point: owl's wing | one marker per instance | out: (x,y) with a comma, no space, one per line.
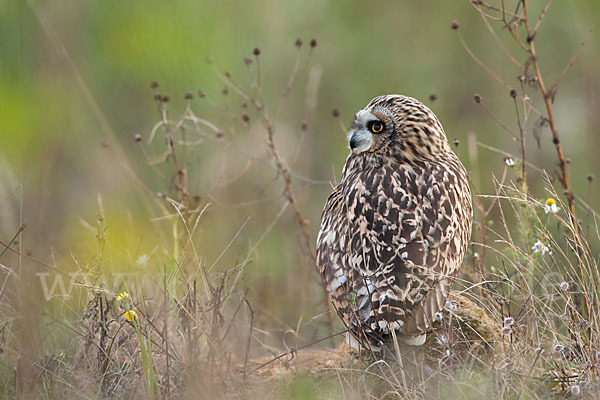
(333,258)
(381,247)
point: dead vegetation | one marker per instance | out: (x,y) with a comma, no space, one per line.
(523,324)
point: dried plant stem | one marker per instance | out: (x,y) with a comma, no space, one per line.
(290,193)
(303,222)
(295,350)
(165,336)
(258,104)
(561,158)
(490,71)
(522,137)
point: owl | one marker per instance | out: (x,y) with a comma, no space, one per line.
(395,230)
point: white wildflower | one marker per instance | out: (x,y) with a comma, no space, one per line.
(142,259)
(540,247)
(506,330)
(558,348)
(509,161)
(550,206)
(442,340)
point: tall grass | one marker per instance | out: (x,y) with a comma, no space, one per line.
(113,318)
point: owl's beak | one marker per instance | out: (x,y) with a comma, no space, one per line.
(360,140)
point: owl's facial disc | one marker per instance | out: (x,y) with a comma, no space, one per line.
(360,137)
(366,125)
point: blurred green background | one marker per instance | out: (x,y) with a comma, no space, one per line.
(75,89)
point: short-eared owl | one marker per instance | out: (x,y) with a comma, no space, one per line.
(395,230)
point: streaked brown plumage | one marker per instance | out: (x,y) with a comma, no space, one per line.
(395,230)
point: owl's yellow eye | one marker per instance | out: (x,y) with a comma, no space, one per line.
(376,126)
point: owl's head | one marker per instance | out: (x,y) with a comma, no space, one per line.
(400,127)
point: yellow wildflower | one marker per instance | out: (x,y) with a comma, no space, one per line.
(123,296)
(131,316)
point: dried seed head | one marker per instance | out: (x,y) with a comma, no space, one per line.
(590,178)
(304,125)
(137,137)
(456,142)
(158,97)
(432,97)
(201,94)
(225,91)
(256,51)
(335,112)
(313,43)
(153,85)
(247,61)
(564,286)
(197,198)
(228,74)
(509,321)
(575,390)
(513,93)
(188,96)
(299,42)
(245,118)
(477,98)
(219,134)
(165,98)
(454,25)
(521,78)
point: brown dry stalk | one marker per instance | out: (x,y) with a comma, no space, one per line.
(303,222)
(491,72)
(282,169)
(561,158)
